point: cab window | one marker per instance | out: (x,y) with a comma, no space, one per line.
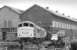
(20,25)
(31,25)
(25,24)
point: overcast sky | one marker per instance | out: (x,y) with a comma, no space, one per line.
(68,7)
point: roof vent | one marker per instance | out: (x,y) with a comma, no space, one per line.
(56,11)
(47,7)
(63,14)
(68,16)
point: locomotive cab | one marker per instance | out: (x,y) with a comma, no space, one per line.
(25,30)
(25,24)
(29,31)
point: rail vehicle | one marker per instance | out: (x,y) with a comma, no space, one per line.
(28,30)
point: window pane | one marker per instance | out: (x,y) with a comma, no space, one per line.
(25,24)
(20,25)
(31,25)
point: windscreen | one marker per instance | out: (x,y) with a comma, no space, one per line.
(26,31)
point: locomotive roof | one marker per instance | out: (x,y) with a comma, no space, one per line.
(33,24)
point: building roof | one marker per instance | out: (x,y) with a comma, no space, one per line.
(51,12)
(9,17)
(62,15)
(17,11)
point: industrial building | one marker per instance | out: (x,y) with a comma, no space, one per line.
(9,18)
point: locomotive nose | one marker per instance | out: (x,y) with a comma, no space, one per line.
(26,32)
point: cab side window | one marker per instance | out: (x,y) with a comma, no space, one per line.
(31,25)
(20,25)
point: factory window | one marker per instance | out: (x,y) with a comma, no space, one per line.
(74,26)
(53,24)
(61,25)
(56,24)
(64,25)
(68,26)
